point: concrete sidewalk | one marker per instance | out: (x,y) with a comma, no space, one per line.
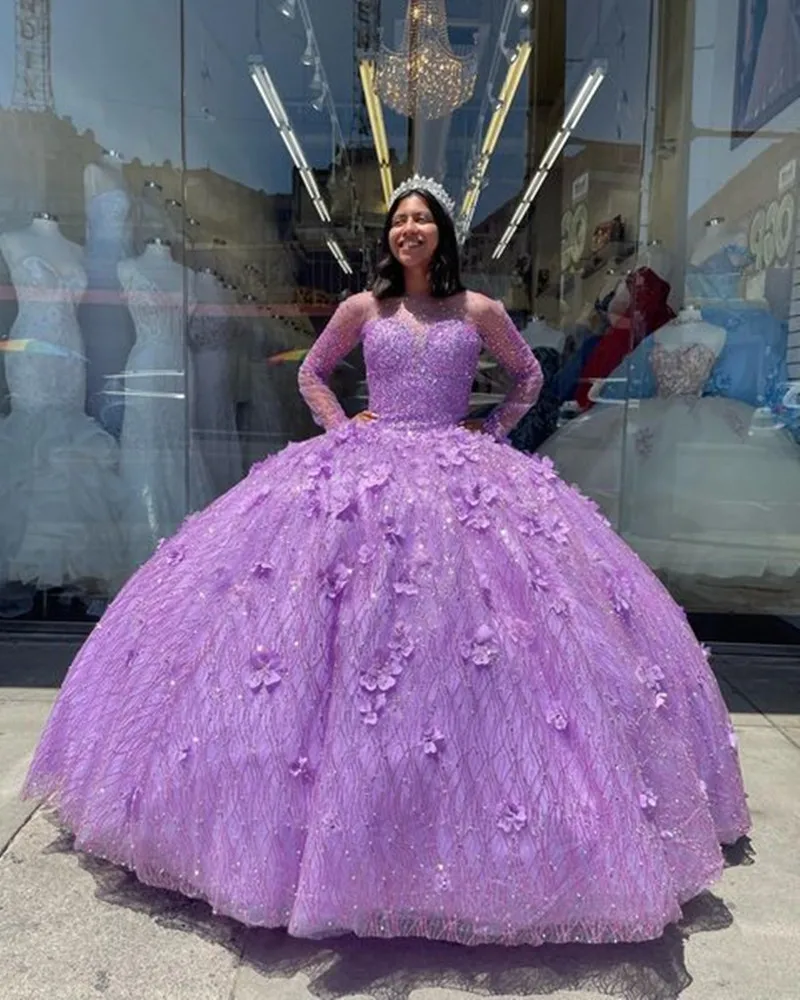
(74,929)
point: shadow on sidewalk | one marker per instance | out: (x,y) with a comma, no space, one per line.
(393,969)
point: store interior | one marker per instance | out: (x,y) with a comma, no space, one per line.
(627,186)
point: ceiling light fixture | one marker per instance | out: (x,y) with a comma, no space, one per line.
(424,78)
(269,95)
(308,58)
(366,69)
(583,98)
(337,252)
(502,106)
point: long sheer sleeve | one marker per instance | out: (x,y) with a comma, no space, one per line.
(504,343)
(336,341)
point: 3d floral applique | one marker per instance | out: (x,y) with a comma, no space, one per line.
(432,742)
(483,648)
(648,800)
(649,674)
(557,718)
(561,604)
(652,676)
(366,554)
(301,768)
(336,579)
(450,454)
(513,818)
(546,469)
(382,678)
(473,502)
(620,593)
(548,526)
(174,554)
(375,477)
(401,642)
(539,580)
(263,673)
(370,707)
(392,531)
(319,467)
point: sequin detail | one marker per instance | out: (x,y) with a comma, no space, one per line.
(681,371)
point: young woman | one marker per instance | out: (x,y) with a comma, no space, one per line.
(402,680)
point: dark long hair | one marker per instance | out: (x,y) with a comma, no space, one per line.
(445,271)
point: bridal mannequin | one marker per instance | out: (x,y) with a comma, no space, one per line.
(161,488)
(687,328)
(105,321)
(59,492)
(213,410)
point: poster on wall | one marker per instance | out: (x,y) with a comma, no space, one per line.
(767,64)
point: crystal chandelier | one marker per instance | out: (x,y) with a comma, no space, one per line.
(425,78)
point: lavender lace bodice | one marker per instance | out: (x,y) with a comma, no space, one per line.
(681,371)
(421,357)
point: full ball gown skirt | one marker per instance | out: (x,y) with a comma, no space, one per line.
(402,680)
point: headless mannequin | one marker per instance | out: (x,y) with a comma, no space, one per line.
(59,523)
(107,175)
(213,411)
(690,328)
(105,321)
(686,329)
(42,239)
(155,271)
(154,429)
(43,264)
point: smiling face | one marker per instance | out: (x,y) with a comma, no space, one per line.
(413,233)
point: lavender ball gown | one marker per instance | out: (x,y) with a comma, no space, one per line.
(402,680)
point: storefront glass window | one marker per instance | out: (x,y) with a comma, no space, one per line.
(188,190)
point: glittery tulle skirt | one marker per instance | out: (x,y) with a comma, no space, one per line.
(401,682)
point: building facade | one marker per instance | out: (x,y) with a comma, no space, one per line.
(187,191)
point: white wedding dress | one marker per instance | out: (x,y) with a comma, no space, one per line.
(60,493)
(698,485)
(162,468)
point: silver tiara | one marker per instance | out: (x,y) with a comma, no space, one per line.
(431,187)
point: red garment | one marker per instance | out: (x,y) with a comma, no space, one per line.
(647,311)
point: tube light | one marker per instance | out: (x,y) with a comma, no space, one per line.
(271,98)
(337,252)
(580,102)
(366,69)
(514,74)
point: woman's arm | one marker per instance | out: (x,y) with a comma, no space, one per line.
(504,343)
(336,341)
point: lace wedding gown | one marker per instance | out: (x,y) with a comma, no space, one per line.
(60,493)
(402,680)
(162,468)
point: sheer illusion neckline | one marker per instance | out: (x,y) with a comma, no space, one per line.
(419,312)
